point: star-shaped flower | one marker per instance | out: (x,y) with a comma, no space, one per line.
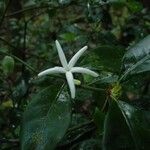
(68,68)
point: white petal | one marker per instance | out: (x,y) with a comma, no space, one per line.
(61,55)
(52,71)
(84,70)
(75,58)
(70,81)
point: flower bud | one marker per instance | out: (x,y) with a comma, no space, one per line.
(116,91)
(77,82)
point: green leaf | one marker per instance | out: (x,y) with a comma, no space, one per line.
(137,59)
(8,65)
(138,122)
(99,119)
(104,81)
(46,119)
(69,37)
(134,6)
(104,56)
(116,133)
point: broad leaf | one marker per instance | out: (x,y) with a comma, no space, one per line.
(116,133)
(139,124)
(106,58)
(137,59)
(46,119)
(126,127)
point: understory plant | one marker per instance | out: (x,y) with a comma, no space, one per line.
(51,121)
(75,75)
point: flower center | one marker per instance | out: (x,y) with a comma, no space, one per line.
(67,68)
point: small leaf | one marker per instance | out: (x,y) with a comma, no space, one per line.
(69,37)
(8,65)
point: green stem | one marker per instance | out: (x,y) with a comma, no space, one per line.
(91,88)
(27,9)
(7,43)
(105,104)
(21,61)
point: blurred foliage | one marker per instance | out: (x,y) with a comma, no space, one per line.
(110,112)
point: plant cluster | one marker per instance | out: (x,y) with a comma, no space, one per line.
(46,107)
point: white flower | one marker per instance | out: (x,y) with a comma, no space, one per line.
(68,68)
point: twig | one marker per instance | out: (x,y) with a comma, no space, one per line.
(9,141)
(3,16)
(7,43)
(90,88)
(24,45)
(104,105)
(21,61)
(41,7)
(27,9)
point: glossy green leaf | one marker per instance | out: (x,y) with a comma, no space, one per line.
(116,133)
(138,122)
(46,119)
(104,56)
(137,59)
